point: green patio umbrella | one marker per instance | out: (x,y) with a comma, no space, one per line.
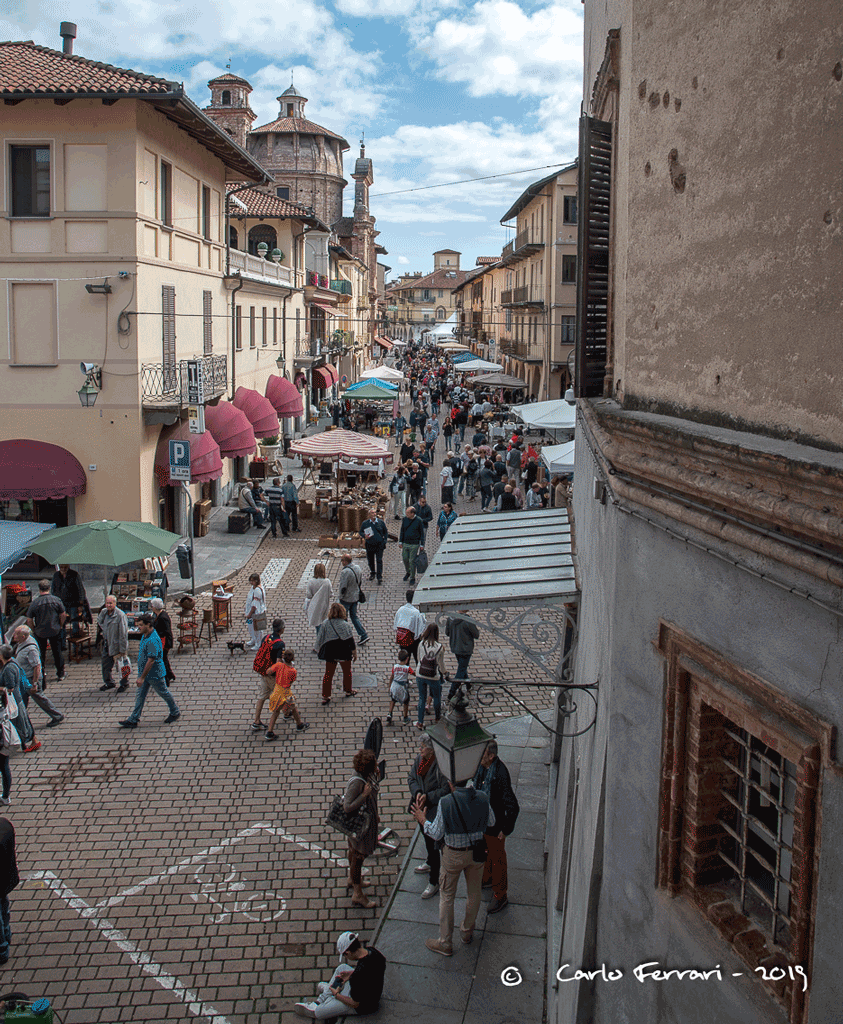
(106,542)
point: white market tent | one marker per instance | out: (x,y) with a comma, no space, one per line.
(445,330)
(558,458)
(383,373)
(553,415)
(476,366)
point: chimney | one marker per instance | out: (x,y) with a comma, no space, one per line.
(68,33)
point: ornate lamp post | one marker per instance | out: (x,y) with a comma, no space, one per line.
(458,740)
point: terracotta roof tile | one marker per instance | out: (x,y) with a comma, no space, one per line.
(229,79)
(301,126)
(438,279)
(27,68)
(262,204)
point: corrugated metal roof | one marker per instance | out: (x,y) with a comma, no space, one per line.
(501,559)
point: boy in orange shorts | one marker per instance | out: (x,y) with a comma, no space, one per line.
(281,698)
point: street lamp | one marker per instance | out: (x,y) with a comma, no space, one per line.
(458,740)
(92,386)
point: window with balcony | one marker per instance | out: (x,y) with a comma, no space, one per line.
(569,270)
(165,210)
(30,180)
(262,233)
(569,209)
(232,238)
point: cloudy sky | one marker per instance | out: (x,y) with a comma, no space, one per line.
(444,90)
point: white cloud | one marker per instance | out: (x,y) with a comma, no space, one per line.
(403,261)
(431,234)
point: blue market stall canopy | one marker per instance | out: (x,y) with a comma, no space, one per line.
(14,540)
(386,386)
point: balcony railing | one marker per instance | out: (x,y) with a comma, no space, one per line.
(254,266)
(315,280)
(525,244)
(165,384)
(506,297)
(343,287)
(507,250)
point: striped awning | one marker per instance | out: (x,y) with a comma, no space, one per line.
(502,558)
(385,343)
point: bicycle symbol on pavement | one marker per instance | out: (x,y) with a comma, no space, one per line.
(220,885)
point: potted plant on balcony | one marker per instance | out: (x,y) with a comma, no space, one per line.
(269,447)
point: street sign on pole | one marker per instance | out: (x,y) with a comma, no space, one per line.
(179,460)
(196,419)
(195,383)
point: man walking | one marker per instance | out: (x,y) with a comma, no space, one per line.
(461,632)
(67,586)
(28,659)
(375,535)
(462,819)
(351,579)
(411,538)
(513,463)
(46,619)
(492,778)
(163,626)
(291,502)
(409,624)
(424,513)
(274,494)
(150,675)
(115,641)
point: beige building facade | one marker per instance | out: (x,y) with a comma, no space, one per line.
(114,250)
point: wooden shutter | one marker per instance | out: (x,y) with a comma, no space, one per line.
(594,188)
(207,323)
(168,317)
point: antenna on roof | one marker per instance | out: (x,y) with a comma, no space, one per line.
(362,143)
(228,65)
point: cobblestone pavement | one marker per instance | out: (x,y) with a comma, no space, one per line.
(183,872)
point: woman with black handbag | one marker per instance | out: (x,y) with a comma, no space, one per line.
(335,645)
(362,791)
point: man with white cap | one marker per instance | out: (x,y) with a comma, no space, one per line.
(356,986)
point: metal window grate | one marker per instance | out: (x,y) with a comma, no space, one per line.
(758,818)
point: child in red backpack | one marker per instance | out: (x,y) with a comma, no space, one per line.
(282,698)
(399,685)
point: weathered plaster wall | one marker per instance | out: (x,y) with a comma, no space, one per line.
(732,304)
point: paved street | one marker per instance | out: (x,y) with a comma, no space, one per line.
(183,872)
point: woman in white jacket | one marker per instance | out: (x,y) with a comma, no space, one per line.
(319,595)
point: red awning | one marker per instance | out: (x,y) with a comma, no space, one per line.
(38,470)
(231,429)
(285,397)
(385,343)
(205,459)
(330,310)
(322,378)
(346,444)
(258,410)
(334,372)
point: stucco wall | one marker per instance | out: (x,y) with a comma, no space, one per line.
(729,133)
(633,576)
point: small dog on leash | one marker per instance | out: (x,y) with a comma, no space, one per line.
(233,645)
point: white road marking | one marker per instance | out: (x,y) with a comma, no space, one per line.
(274,571)
(167,981)
(307,575)
(204,1011)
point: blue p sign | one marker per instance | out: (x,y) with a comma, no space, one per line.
(180,460)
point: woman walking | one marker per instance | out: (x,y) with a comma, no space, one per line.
(318,598)
(361,790)
(427,787)
(429,673)
(256,612)
(336,646)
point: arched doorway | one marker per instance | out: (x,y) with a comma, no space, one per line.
(262,233)
(232,238)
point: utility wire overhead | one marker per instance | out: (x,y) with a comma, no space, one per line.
(465,181)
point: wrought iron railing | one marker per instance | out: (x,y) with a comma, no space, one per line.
(166,383)
(343,287)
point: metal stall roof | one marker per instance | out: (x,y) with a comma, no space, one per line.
(501,558)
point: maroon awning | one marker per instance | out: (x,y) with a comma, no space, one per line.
(285,397)
(334,372)
(322,378)
(384,343)
(231,429)
(258,410)
(38,470)
(205,458)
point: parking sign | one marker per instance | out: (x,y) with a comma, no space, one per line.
(180,460)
